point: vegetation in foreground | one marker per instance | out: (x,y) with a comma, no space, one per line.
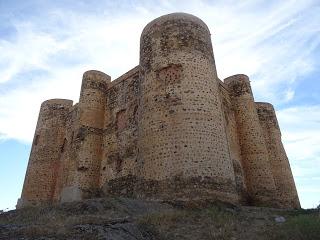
(121,218)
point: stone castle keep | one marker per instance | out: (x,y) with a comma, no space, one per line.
(168,129)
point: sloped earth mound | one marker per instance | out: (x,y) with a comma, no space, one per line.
(132,219)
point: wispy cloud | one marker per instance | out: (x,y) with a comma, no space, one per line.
(110,45)
(272,42)
(301,133)
(46,47)
(301,136)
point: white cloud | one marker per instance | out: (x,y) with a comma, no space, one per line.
(70,42)
(301,132)
(20,106)
(289,94)
(273,42)
(30,50)
(110,45)
(274,47)
(67,43)
(301,136)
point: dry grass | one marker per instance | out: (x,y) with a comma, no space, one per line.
(211,223)
(170,221)
(300,227)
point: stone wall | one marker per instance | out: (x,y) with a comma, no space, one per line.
(47,148)
(90,133)
(280,167)
(68,168)
(166,129)
(254,153)
(233,141)
(119,157)
(181,124)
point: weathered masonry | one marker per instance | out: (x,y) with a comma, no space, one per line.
(166,129)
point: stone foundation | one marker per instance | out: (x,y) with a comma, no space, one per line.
(177,188)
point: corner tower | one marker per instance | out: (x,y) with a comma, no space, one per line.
(91,109)
(259,180)
(48,143)
(280,167)
(181,125)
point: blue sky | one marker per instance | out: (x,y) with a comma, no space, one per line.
(45,46)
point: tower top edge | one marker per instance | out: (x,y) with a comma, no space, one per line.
(59,101)
(236,77)
(172,17)
(90,73)
(265,105)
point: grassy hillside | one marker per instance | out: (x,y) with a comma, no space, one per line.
(121,218)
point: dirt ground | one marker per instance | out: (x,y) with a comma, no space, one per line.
(122,218)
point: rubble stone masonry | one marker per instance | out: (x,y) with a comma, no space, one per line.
(280,167)
(167,129)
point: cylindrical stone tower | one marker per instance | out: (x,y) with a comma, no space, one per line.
(40,180)
(233,140)
(91,119)
(259,180)
(282,175)
(181,125)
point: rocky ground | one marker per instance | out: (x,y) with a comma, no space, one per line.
(121,218)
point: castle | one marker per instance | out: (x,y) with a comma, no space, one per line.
(167,129)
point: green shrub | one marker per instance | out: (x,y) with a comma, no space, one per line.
(301,227)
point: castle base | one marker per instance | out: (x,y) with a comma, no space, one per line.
(22,203)
(177,188)
(19,203)
(71,194)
